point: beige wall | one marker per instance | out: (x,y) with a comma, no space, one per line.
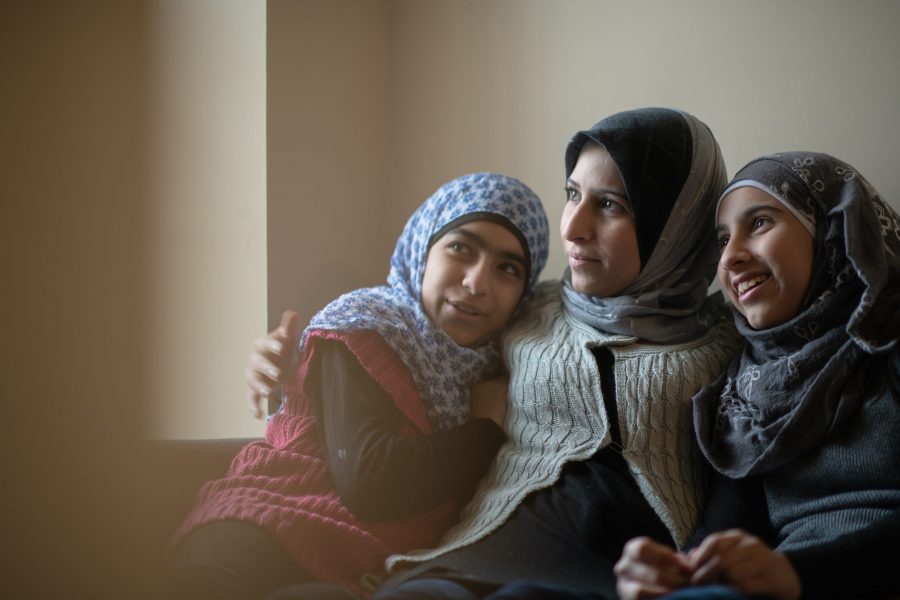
(502,85)
(132,236)
(206,213)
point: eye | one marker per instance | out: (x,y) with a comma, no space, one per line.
(721,242)
(759,222)
(511,269)
(613,207)
(571,194)
(457,246)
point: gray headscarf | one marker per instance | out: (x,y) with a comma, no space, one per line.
(799,381)
(673,173)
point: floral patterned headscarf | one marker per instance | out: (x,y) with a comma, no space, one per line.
(441,369)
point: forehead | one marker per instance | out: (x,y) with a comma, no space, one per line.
(489,235)
(734,204)
(595,163)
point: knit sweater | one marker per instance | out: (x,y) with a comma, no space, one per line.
(849,482)
(283,485)
(557,415)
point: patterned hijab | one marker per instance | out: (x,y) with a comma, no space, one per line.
(441,369)
(797,382)
(673,173)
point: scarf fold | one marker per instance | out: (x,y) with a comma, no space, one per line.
(441,369)
(673,172)
(797,382)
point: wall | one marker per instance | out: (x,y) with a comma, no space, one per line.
(502,85)
(328,153)
(205,219)
(132,244)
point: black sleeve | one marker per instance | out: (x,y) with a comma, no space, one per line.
(733,503)
(862,564)
(379,474)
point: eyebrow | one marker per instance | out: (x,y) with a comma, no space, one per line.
(598,191)
(479,241)
(751,211)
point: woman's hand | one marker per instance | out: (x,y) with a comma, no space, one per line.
(648,569)
(489,399)
(741,560)
(272,362)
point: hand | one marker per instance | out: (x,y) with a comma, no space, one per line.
(736,558)
(489,399)
(648,569)
(272,362)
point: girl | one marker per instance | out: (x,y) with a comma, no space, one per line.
(373,449)
(810,259)
(603,366)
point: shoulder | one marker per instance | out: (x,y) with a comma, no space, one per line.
(708,354)
(539,312)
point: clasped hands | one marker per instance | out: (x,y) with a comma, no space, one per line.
(648,569)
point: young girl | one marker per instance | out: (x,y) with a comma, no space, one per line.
(810,259)
(374,447)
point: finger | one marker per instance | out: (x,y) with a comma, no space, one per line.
(260,388)
(646,551)
(712,545)
(269,346)
(289,327)
(710,559)
(263,368)
(254,402)
(649,562)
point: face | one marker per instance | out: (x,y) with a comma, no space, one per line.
(474,278)
(766,257)
(597,226)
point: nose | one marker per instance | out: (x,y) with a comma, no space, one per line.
(477,278)
(576,225)
(734,253)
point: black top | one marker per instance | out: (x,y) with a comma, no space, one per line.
(380,474)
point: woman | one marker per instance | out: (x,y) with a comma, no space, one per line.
(810,260)
(602,366)
(374,448)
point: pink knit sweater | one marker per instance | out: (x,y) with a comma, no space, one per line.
(282,484)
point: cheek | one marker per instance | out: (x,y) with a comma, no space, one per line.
(564,219)
(623,245)
(430,290)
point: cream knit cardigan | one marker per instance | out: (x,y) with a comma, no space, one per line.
(556,415)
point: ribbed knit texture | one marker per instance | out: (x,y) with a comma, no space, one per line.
(282,484)
(843,486)
(556,415)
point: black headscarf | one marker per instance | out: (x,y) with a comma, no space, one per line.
(653,151)
(673,173)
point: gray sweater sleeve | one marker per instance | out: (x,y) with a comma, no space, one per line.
(862,564)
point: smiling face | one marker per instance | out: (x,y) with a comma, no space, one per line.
(766,257)
(474,278)
(597,226)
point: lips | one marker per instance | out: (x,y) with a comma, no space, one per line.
(747,284)
(580,259)
(466,308)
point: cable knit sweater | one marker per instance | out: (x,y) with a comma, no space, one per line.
(557,415)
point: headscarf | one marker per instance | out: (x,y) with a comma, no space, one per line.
(673,173)
(441,369)
(797,382)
